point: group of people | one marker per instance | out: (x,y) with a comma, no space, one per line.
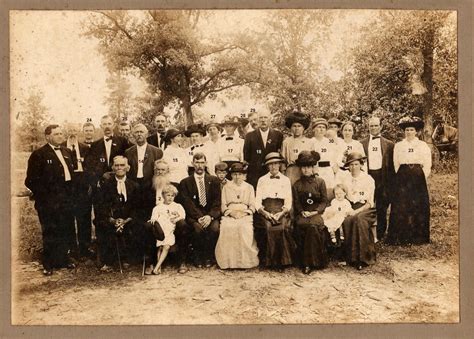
(247,196)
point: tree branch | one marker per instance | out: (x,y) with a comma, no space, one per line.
(220,89)
(116,23)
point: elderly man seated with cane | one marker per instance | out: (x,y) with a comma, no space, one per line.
(115,215)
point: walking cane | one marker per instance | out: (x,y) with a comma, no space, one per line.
(143,268)
(118,254)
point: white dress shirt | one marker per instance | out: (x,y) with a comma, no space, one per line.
(412,152)
(265,136)
(375,154)
(108,148)
(274,188)
(141,159)
(67,175)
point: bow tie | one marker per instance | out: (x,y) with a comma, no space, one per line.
(376,137)
(229,138)
(274,177)
(196,146)
(108,139)
(57,148)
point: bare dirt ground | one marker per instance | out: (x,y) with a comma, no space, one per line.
(391,291)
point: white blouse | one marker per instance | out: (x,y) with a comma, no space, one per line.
(359,189)
(292,147)
(276,188)
(352,146)
(412,152)
(177,159)
(326,150)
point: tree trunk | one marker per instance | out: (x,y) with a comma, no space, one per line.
(188,113)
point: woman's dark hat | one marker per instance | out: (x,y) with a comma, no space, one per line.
(306,158)
(335,121)
(171,134)
(195,128)
(230,120)
(354,156)
(238,167)
(299,117)
(316,156)
(273,157)
(411,122)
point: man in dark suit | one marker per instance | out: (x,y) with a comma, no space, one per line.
(124,131)
(116,215)
(157,139)
(103,151)
(82,194)
(88,129)
(379,151)
(258,144)
(200,195)
(141,158)
(49,176)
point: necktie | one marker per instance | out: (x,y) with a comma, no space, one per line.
(74,157)
(376,137)
(229,138)
(108,139)
(202,193)
(274,177)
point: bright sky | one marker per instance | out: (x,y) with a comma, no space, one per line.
(48,51)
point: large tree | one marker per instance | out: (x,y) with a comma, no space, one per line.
(165,49)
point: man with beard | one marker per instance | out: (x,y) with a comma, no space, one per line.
(182,232)
(141,158)
(258,144)
(200,195)
(157,139)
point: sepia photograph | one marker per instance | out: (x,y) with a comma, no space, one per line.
(234,166)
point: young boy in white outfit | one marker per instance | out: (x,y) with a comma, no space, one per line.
(166,214)
(335,214)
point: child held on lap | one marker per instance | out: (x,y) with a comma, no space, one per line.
(166,214)
(335,214)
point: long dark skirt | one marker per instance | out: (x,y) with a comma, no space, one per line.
(359,246)
(410,211)
(277,241)
(311,238)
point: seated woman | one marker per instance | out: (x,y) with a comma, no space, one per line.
(273,229)
(236,246)
(309,195)
(359,243)
(410,211)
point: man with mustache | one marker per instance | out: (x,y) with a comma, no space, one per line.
(157,139)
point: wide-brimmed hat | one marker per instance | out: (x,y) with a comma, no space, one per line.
(171,134)
(238,167)
(273,157)
(195,128)
(319,121)
(298,117)
(306,158)
(213,124)
(411,122)
(231,120)
(335,121)
(221,166)
(353,157)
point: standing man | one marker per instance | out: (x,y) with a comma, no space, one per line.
(258,144)
(141,159)
(251,123)
(102,152)
(200,195)
(157,139)
(49,176)
(379,152)
(124,131)
(88,129)
(82,198)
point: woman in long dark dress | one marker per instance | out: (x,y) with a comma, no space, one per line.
(410,210)
(359,243)
(273,228)
(310,199)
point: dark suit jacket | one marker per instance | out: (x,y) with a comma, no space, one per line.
(84,149)
(153,140)
(109,204)
(255,152)
(96,160)
(152,154)
(189,197)
(388,171)
(45,177)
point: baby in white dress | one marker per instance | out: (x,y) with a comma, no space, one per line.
(166,214)
(335,214)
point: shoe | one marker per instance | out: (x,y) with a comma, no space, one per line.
(47,272)
(71,266)
(182,269)
(125,265)
(359,266)
(156,271)
(149,270)
(307,270)
(198,263)
(208,263)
